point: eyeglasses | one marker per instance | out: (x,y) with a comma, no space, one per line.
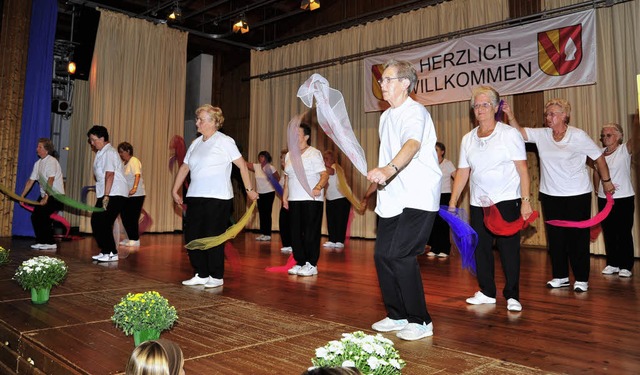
(482,105)
(606,135)
(553,114)
(387,79)
(200,119)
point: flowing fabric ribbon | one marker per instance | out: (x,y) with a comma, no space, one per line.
(465,238)
(294,152)
(344,188)
(209,242)
(68,201)
(54,216)
(497,225)
(85,191)
(333,118)
(290,263)
(272,179)
(586,223)
(499,112)
(179,149)
(16,197)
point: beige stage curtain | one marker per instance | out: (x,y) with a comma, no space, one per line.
(614,97)
(274,102)
(136,90)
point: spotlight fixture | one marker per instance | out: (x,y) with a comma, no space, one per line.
(241,26)
(310,4)
(176,12)
(71,68)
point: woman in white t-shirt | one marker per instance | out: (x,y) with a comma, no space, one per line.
(46,169)
(494,160)
(305,211)
(565,189)
(210,195)
(266,191)
(132,210)
(617,227)
(439,240)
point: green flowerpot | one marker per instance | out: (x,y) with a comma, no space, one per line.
(145,335)
(40,295)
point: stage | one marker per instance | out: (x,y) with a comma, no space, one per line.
(270,323)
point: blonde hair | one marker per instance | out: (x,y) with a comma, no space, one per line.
(215,114)
(489,91)
(156,357)
(617,128)
(562,103)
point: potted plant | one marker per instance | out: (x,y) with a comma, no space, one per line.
(144,315)
(369,354)
(39,274)
(4,256)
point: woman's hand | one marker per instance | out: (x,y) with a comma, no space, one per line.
(316,192)
(380,175)
(608,187)
(176,198)
(252,195)
(133,191)
(525,209)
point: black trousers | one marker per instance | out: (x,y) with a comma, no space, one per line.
(568,244)
(338,218)
(42,222)
(305,219)
(131,216)
(616,229)
(102,223)
(207,217)
(285,227)
(439,240)
(265,206)
(400,240)
(508,247)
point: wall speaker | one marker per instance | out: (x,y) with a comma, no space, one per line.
(59,106)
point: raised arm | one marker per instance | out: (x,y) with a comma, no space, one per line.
(506,108)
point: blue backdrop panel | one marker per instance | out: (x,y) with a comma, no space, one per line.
(36,111)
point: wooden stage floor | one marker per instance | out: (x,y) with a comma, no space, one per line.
(270,323)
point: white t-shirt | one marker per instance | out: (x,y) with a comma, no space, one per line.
(263,185)
(313,166)
(131,169)
(491,160)
(619,163)
(447,168)
(418,184)
(108,160)
(45,168)
(332,191)
(563,164)
(210,165)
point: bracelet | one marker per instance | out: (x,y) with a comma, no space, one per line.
(318,187)
(393,166)
(526,199)
(607,180)
(249,189)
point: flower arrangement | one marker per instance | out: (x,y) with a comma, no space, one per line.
(370,354)
(143,311)
(41,272)
(4,256)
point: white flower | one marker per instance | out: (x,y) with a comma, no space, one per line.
(321,352)
(373,362)
(394,362)
(348,363)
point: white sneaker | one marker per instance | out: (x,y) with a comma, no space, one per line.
(37,246)
(558,283)
(286,249)
(308,270)
(213,283)
(294,270)
(328,244)
(610,270)
(415,331)
(339,245)
(47,246)
(196,280)
(260,238)
(431,254)
(387,325)
(624,273)
(111,257)
(513,305)
(266,238)
(123,242)
(480,299)
(443,255)
(96,257)
(581,286)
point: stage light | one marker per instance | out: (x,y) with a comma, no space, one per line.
(310,4)
(241,26)
(176,12)
(71,68)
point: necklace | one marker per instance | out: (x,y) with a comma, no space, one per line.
(559,136)
(607,151)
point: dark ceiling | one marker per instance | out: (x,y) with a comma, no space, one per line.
(272,23)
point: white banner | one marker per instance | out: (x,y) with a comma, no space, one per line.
(554,53)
